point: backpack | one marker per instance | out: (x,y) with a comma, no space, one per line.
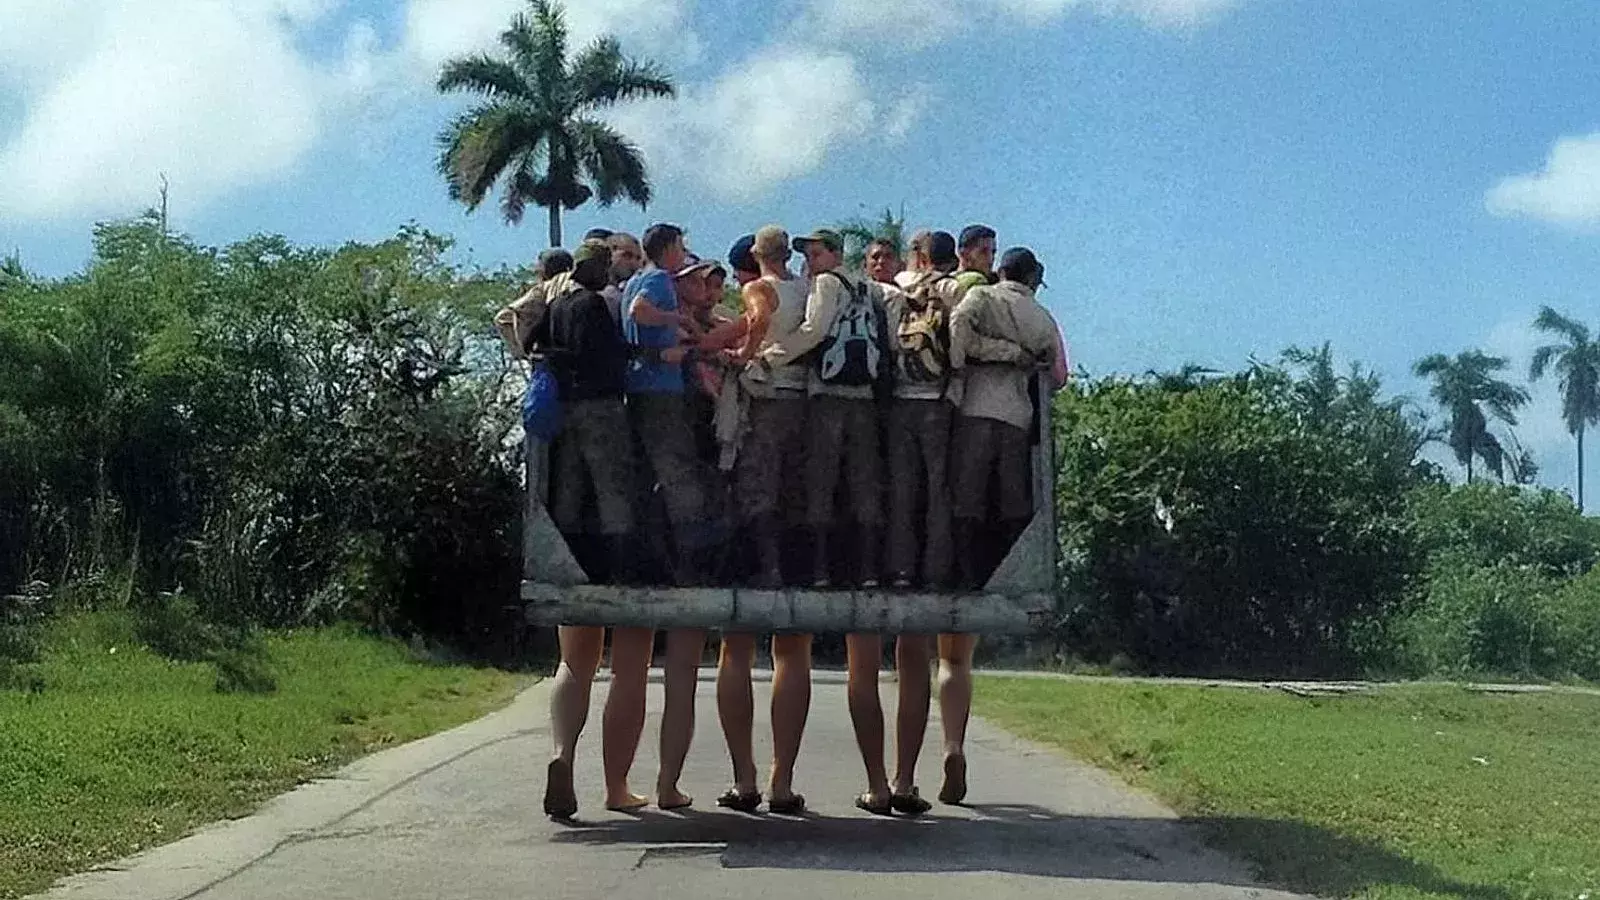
(852,353)
(924,333)
(541,405)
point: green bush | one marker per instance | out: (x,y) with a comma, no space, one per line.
(1483,620)
(1577,625)
(1493,525)
(1253,524)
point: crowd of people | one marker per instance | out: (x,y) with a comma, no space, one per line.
(827,429)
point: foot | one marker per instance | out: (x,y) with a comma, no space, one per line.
(787,805)
(560,799)
(626,801)
(954,789)
(909,802)
(869,583)
(669,799)
(739,800)
(877,804)
(901,583)
(821,583)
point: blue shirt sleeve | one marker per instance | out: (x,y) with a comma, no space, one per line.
(655,286)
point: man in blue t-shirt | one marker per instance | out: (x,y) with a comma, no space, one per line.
(658,411)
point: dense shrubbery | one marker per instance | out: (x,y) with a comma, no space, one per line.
(262,435)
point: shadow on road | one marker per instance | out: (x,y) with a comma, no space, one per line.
(1028,840)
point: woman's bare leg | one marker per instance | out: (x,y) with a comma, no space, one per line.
(736,707)
(581,649)
(684,649)
(913,655)
(955,708)
(624,713)
(791,703)
(866,710)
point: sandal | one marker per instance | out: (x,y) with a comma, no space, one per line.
(792,805)
(865,803)
(737,801)
(909,804)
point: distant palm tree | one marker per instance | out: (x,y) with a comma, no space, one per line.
(860,232)
(1577,361)
(1465,387)
(536,130)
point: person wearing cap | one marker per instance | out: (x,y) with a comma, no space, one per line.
(520,320)
(587,357)
(652,323)
(976,248)
(775,307)
(1001,337)
(719,330)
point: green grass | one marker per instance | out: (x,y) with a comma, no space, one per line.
(123,749)
(1413,792)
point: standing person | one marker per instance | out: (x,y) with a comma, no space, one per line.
(656,408)
(775,308)
(977,248)
(1001,337)
(587,356)
(917,259)
(627,258)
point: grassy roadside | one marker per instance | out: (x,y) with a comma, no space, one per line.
(1408,793)
(124,749)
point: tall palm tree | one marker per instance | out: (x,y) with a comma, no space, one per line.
(1465,387)
(860,232)
(535,130)
(1577,361)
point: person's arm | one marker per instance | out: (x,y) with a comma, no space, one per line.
(724,335)
(822,304)
(647,310)
(1061,371)
(967,344)
(760,302)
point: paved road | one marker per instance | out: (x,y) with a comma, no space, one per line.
(458,816)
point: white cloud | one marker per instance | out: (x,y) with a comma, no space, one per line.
(769,119)
(905,113)
(920,23)
(436,30)
(215,95)
(1566,191)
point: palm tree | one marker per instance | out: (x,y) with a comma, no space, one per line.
(1577,361)
(1465,387)
(859,232)
(536,131)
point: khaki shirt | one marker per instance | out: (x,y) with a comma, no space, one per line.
(1000,336)
(947,292)
(822,304)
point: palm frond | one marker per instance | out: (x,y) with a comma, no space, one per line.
(601,76)
(612,163)
(477,147)
(485,75)
(1541,361)
(1552,322)
(537,42)
(519,191)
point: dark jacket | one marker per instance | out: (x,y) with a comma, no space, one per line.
(585,347)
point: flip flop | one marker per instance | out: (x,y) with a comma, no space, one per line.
(629,808)
(685,804)
(560,800)
(739,802)
(910,804)
(864,803)
(792,805)
(954,789)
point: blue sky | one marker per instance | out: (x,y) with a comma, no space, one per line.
(1207,179)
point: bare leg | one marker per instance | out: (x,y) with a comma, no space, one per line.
(913,654)
(581,649)
(624,714)
(866,711)
(955,708)
(791,703)
(684,648)
(736,707)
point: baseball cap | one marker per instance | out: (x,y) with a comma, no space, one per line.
(592,249)
(693,264)
(741,255)
(1020,263)
(827,237)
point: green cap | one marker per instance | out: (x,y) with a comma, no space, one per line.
(827,237)
(592,250)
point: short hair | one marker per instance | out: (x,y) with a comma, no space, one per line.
(1020,265)
(553,262)
(972,234)
(657,238)
(941,249)
(598,234)
(885,243)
